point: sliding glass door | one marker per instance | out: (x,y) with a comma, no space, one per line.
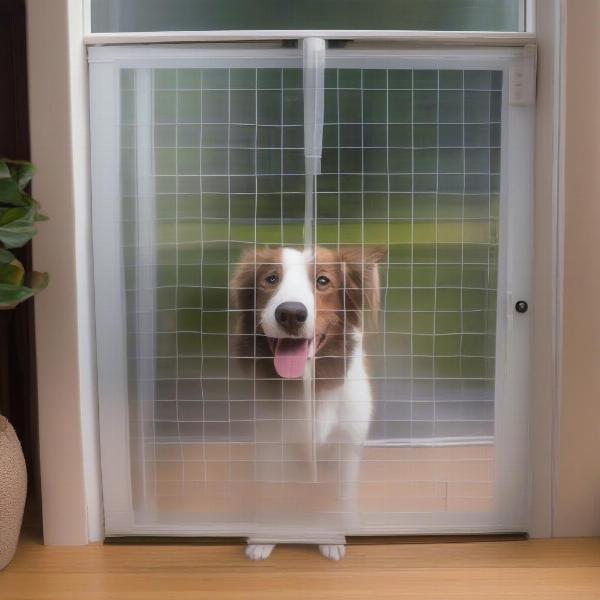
(200,157)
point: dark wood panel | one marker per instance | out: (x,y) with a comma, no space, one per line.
(18,394)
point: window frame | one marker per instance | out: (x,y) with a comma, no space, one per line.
(489,38)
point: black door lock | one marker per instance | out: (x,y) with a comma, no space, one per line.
(521,306)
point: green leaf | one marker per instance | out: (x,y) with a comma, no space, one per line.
(4,170)
(13,278)
(18,214)
(11,295)
(15,176)
(11,269)
(12,274)
(6,257)
(16,226)
(10,194)
(24,172)
(38,281)
(11,215)
(15,238)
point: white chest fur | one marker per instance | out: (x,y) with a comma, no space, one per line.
(343,414)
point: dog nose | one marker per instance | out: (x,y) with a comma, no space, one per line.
(291,315)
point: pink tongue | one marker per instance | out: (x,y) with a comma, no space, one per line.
(290,357)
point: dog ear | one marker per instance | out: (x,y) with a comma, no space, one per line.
(361,280)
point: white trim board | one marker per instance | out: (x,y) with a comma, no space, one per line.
(548,268)
(71,505)
(455,38)
(240,55)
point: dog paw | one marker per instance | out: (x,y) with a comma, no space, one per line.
(333,551)
(259,551)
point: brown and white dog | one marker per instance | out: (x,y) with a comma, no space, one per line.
(293,305)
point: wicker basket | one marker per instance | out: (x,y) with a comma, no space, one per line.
(13,489)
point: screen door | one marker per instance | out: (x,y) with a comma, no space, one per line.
(200,161)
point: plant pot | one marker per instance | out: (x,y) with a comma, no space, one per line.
(13,489)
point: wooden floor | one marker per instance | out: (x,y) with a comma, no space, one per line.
(532,570)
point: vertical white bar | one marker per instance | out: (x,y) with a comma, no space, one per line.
(145,321)
(530,16)
(87,17)
(110,297)
(512,416)
(59,120)
(313,76)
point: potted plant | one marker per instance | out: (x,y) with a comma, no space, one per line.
(18,214)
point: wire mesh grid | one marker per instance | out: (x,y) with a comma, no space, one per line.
(411,165)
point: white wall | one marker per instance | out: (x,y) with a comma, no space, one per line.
(578,483)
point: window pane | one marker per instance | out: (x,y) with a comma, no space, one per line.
(227,15)
(411,163)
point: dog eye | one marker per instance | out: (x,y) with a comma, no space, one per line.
(272,279)
(322,281)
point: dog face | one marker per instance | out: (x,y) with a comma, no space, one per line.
(293,305)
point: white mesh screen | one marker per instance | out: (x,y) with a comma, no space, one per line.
(405,419)
(411,166)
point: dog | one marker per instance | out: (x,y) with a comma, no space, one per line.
(292,306)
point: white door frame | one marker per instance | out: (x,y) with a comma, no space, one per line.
(72,501)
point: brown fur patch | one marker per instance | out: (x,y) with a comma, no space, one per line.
(353,289)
